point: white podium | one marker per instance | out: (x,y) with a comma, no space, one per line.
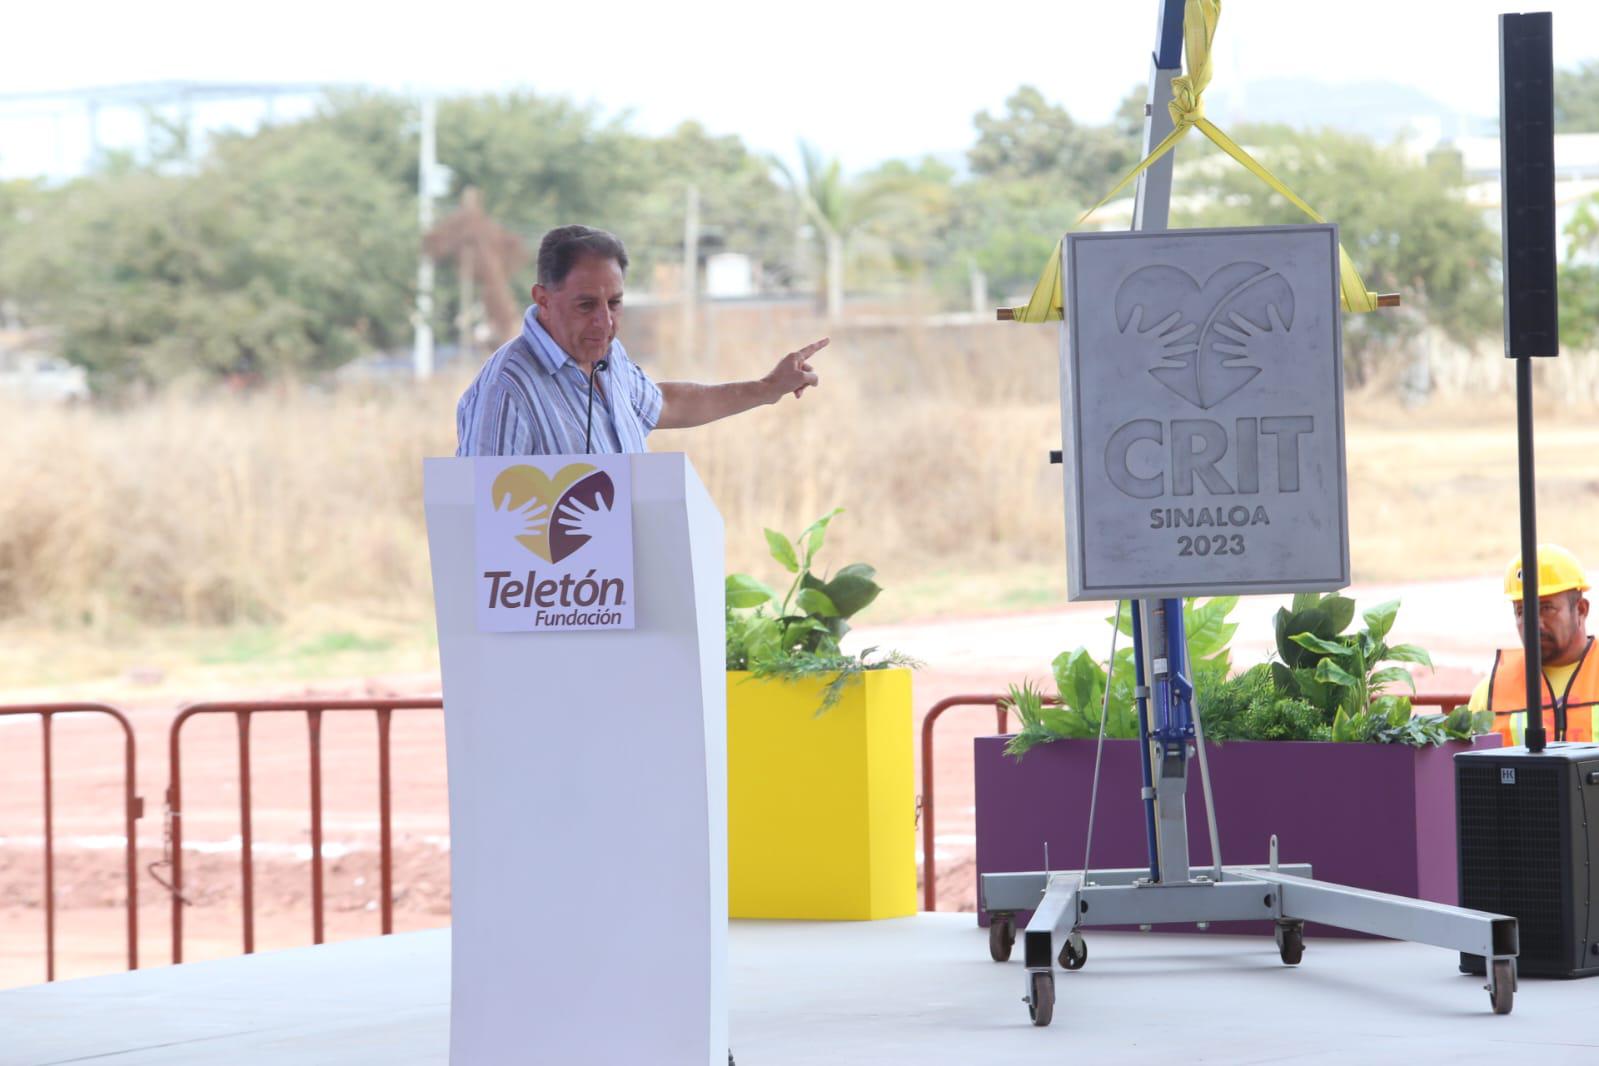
(588,800)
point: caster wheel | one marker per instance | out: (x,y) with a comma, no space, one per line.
(1502,993)
(1074,953)
(1291,942)
(1001,937)
(1041,997)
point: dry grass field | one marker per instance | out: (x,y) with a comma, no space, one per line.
(281,531)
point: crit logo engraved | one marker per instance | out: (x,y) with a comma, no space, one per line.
(1209,337)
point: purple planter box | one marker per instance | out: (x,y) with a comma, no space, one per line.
(1378,816)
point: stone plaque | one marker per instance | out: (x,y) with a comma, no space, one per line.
(1202,413)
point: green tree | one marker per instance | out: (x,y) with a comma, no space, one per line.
(1034,171)
(826,199)
(281,255)
(19,205)
(907,228)
(742,208)
(1035,140)
(1129,120)
(1577,99)
(1405,223)
(542,162)
(1007,230)
(1579,279)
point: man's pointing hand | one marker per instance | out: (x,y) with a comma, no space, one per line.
(793,372)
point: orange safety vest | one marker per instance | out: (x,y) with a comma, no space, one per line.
(1572,715)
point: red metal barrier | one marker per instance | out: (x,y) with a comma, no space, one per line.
(1000,703)
(132,810)
(1001,716)
(313,711)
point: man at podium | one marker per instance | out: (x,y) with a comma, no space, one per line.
(566,386)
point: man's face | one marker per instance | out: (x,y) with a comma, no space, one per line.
(1562,626)
(584,310)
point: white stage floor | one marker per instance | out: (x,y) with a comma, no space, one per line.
(917,991)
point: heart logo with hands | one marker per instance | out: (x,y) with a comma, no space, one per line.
(579,498)
(1210,338)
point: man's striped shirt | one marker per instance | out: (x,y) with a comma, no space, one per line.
(530,398)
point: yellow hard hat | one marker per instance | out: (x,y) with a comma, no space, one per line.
(1558,571)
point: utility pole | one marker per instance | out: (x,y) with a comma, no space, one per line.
(422,317)
(691,266)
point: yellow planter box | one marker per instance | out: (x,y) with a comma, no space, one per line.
(821,809)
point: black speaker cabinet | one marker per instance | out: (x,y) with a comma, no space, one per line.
(1527,155)
(1528,840)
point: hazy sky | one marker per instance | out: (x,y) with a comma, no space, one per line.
(862,80)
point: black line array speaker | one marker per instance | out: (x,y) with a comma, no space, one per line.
(1528,840)
(1527,158)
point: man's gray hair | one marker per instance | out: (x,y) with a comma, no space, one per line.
(563,246)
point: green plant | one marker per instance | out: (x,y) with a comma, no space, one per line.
(1424,730)
(1342,674)
(1329,686)
(799,638)
(812,616)
(1276,718)
(1041,722)
(1080,680)
(837,669)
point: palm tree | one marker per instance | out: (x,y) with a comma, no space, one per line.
(827,200)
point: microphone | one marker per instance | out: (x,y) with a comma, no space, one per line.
(588,430)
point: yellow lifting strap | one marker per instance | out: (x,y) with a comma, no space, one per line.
(1188,112)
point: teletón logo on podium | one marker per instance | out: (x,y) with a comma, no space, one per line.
(554,537)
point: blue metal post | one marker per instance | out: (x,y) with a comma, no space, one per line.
(1176,726)
(1169,36)
(1141,708)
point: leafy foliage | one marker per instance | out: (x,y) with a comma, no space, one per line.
(1081,680)
(1419,236)
(837,669)
(290,250)
(1579,277)
(1041,721)
(1035,140)
(1342,674)
(1424,730)
(1329,685)
(279,256)
(800,637)
(742,208)
(1577,98)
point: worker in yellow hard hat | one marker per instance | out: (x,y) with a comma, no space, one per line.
(1570,667)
